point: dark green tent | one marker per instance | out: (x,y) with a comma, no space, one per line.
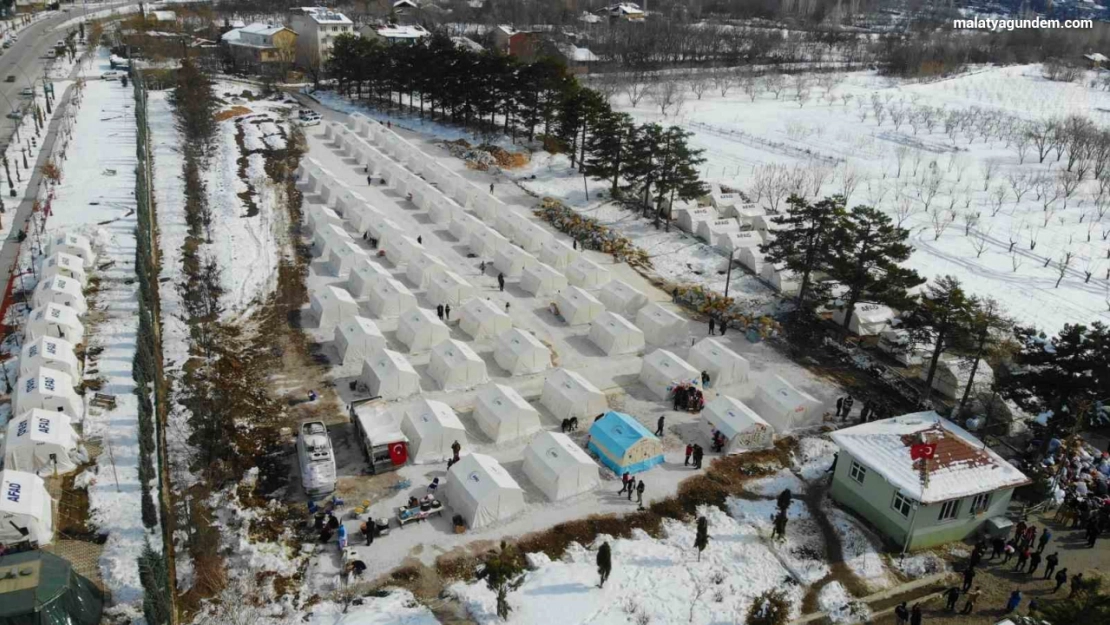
(39,588)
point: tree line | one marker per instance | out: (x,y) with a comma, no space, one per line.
(647,164)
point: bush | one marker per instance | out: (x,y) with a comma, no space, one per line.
(769,608)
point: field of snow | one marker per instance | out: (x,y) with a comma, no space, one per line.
(832,139)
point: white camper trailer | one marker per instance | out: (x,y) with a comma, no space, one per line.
(587,274)
(316,458)
(481,318)
(331,305)
(449,287)
(59,290)
(47,351)
(356,338)
(785,407)
(619,297)
(567,394)
(40,442)
(540,279)
(64,265)
(724,366)
(578,307)
(388,374)
(558,467)
(742,428)
(504,415)
(454,365)
(432,426)
(26,510)
(557,254)
(660,326)
(47,389)
(391,299)
(615,335)
(521,353)
(662,371)
(425,267)
(482,491)
(54,320)
(420,330)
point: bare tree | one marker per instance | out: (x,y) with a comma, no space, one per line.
(750,85)
(800,84)
(849,180)
(900,154)
(876,192)
(775,83)
(668,94)
(771,184)
(897,115)
(636,86)
(1067,182)
(971,219)
(1021,142)
(878,108)
(989,166)
(1034,234)
(1062,268)
(1015,261)
(941,220)
(929,187)
(1041,134)
(1020,184)
(998,199)
(846,98)
(699,84)
(904,208)
(723,81)
(980,241)
(607,84)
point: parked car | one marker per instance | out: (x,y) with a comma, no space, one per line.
(27,92)
(8,43)
(111,75)
(15,115)
(10,78)
(51,54)
(308,118)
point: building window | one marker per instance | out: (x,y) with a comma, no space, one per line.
(980,502)
(949,510)
(902,504)
(858,472)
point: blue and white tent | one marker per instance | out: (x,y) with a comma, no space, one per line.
(623,445)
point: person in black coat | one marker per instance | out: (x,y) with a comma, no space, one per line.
(951,596)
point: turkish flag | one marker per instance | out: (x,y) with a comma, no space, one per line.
(923,450)
(398,453)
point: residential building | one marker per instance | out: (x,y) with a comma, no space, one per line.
(468,44)
(393,33)
(261,48)
(316,29)
(578,60)
(523,44)
(628,11)
(921,479)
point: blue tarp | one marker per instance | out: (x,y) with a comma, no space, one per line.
(617,433)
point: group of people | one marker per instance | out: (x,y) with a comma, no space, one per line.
(688,397)
(694,453)
(443,311)
(629,484)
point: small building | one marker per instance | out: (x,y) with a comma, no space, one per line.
(467,44)
(64,265)
(26,513)
(75,245)
(52,594)
(389,375)
(785,407)
(50,352)
(567,394)
(433,427)
(540,279)
(660,325)
(619,297)
(356,338)
(482,491)
(557,254)
(623,444)
(420,330)
(1096,59)
(578,307)
(559,467)
(724,366)
(481,318)
(520,353)
(54,320)
(662,371)
(454,365)
(379,434)
(586,274)
(391,299)
(743,429)
(395,34)
(262,48)
(627,11)
(331,305)
(522,44)
(577,60)
(504,415)
(40,442)
(615,335)
(945,494)
(47,389)
(59,290)
(316,29)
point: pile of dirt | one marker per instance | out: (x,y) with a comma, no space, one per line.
(486,157)
(234,111)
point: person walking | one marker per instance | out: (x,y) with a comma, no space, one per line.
(659,426)
(1013,602)
(640,494)
(848,401)
(915,615)
(455,449)
(447,312)
(951,596)
(1050,564)
(419,239)
(1061,579)
(1009,551)
(698,453)
(972,597)
(839,406)
(705,379)
(370,181)
(1023,557)
(1034,562)
(439,312)
(712,325)
(997,545)
(501,281)
(969,577)
(491,188)
(1043,540)
(624,483)
(367,530)
(975,558)
(689,452)
(1076,581)
(902,613)
(1093,532)
(631,487)
(724,325)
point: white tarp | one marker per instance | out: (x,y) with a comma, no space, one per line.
(48,389)
(366,276)
(615,335)
(540,279)
(331,305)
(567,394)
(482,491)
(420,329)
(54,320)
(521,353)
(784,406)
(577,307)
(724,366)
(743,429)
(60,290)
(433,427)
(391,299)
(558,467)
(660,326)
(40,442)
(25,504)
(356,338)
(481,318)
(47,351)
(557,254)
(621,298)
(504,415)
(663,370)
(454,365)
(449,287)
(587,274)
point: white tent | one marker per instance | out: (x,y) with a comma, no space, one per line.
(59,290)
(952,376)
(389,375)
(568,394)
(868,319)
(557,254)
(784,406)
(391,299)
(331,305)
(442,210)
(660,326)
(454,365)
(48,389)
(432,426)
(50,352)
(482,491)
(752,258)
(511,260)
(361,217)
(486,241)
(424,267)
(327,238)
(54,320)
(508,222)
(463,225)
(530,236)
(345,256)
(366,276)
(724,366)
(780,278)
(25,506)
(558,467)
(420,330)
(383,228)
(348,204)
(449,287)
(744,430)
(577,307)
(619,297)
(689,218)
(504,415)
(40,442)
(662,371)
(319,217)
(746,213)
(65,265)
(356,338)
(587,274)
(734,242)
(401,249)
(615,335)
(487,206)
(711,230)
(481,318)
(74,244)
(540,279)
(520,353)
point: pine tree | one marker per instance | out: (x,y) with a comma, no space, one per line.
(503,573)
(1087,606)
(803,245)
(604,563)
(944,312)
(1064,372)
(678,171)
(866,261)
(644,160)
(701,541)
(986,325)
(154,578)
(607,147)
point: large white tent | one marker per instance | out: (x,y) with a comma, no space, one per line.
(432,426)
(621,298)
(391,299)
(463,224)
(366,276)
(47,389)
(868,319)
(540,279)
(382,228)
(521,353)
(25,506)
(54,320)
(425,267)
(65,265)
(59,290)
(344,256)
(449,287)
(401,249)
(557,254)
(662,371)
(40,442)
(504,415)
(511,260)
(454,365)
(567,394)
(660,326)
(75,244)
(785,407)
(485,242)
(389,375)
(442,210)
(558,467)
(328,237)
(481,318)
(615,335)
(587,274)
(356,338)
(688,218)
(780,278)
(724,366)
(47,351)
(509,222)
(319,217)
(743,429)
(752,258)
(420,329)
(733,242)
(711,231)
(331,305)
(577,307)
(530,236)
(482,491)
(362,217)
